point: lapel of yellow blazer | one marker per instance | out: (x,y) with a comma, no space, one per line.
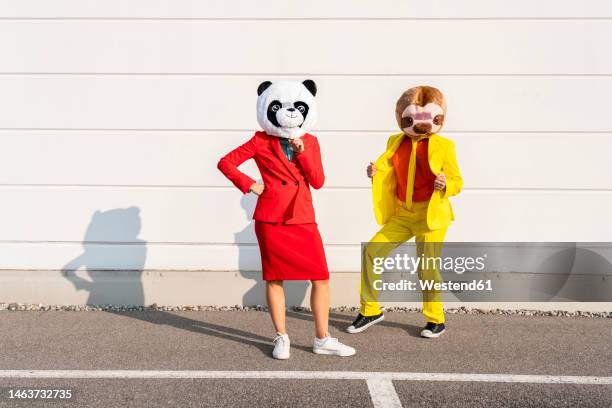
(434,154)
(435,157)
(385,158)
(383,183)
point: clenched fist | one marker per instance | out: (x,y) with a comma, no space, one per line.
(297,145)
(371,170)
(440,182)
(256,189)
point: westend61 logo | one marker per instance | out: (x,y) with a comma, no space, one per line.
(489,271)
(429,266)
(412,264)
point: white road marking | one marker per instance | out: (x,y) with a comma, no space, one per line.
(382,393)
(309,375)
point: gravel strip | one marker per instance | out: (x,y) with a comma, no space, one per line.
(14,307)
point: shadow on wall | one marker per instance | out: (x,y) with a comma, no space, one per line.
(111,242)
(114,256)
(249,266)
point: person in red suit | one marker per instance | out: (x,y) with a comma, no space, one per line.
(289,161)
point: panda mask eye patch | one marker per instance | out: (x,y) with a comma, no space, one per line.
(289,115)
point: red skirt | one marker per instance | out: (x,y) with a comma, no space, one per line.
(291,251)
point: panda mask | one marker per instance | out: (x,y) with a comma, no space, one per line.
(286,109)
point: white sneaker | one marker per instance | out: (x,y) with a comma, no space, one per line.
(281,347)
(331,346)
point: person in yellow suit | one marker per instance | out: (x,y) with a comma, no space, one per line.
(411,183)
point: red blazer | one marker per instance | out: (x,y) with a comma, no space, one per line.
(286,197)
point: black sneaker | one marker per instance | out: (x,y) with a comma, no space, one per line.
(433,330)
(363,322)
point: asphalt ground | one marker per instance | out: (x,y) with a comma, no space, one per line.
(167,347)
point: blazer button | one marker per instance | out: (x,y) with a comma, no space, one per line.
(296,183)
(284,183)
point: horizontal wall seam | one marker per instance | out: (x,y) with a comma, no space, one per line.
(147,243)
(310,74)
(237,244)
(314,131)
(229,187)
(153,270)
(309,19)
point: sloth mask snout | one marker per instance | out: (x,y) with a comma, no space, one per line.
(422,128)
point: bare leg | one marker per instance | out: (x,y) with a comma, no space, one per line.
(319,303)
(275,294)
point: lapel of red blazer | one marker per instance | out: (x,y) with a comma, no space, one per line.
(276,147)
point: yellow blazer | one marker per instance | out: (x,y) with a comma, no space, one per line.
(442,159)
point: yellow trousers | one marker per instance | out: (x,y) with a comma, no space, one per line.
(401,227)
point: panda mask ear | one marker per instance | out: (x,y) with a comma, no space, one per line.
(262,87)
(311,86)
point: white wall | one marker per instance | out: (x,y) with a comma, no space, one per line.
(110,105)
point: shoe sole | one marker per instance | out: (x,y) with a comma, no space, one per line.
(431,335)
(281,358)
(363,328)
(333,353)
